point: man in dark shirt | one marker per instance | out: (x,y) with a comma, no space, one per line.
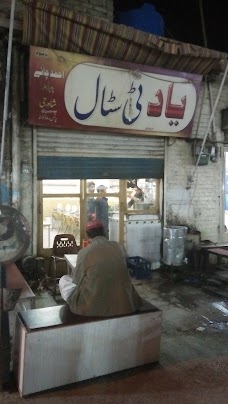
(101,204)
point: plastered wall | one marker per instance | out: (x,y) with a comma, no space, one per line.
(95,8)
(199,202)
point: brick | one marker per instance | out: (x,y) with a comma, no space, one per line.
(206,195)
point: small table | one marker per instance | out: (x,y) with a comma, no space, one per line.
(71,260)
(220,252)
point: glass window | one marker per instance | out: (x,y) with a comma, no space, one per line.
(112,185)
(102,205)
(60,215)
(61,209)
(68,204)
(142,194)
(61,187)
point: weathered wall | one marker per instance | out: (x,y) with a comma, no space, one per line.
(95,8)
(27,206)
(200,206)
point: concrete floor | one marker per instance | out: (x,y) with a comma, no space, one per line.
(193,364)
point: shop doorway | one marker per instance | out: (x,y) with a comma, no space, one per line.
(65,206)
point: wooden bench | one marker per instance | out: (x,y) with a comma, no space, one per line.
(15,280)
(54,347)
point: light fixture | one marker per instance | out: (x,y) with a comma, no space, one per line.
(25,168)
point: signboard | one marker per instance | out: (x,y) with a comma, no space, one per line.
(82,92)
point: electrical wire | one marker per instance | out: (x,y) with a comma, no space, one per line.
(211,118)
(6,97)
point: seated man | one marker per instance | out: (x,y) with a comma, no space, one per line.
(100,284)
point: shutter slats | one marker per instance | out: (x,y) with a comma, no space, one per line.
(64,154)
(67,143)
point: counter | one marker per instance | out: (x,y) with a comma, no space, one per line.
(143,235)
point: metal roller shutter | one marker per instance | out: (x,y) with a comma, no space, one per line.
(64,154)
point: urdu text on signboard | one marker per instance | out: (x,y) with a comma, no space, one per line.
(82,92)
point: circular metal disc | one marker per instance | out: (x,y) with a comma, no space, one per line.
(14,234)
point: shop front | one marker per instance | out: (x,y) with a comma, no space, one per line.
(102,118)
(104,122)
(133,187)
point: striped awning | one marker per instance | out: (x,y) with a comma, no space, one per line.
(59,28)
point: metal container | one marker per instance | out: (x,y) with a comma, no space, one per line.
(174,238)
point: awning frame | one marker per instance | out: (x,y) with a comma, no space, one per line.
(80,33)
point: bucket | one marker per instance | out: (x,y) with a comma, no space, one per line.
(174,238)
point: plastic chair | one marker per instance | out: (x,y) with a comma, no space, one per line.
(63,244)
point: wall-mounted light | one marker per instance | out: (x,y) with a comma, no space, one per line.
(25,168)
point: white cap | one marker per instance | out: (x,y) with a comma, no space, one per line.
(101,188)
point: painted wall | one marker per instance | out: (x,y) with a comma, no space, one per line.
(200,205)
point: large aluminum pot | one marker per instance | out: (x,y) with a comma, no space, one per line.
(174,239)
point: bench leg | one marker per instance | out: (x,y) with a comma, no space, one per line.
(22,306)
(33,303)
(31,300)
(204,261)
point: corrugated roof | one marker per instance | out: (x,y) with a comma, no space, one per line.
(59,28)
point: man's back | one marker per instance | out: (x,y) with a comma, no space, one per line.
(103,283)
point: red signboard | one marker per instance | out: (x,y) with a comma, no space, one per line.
(86,93)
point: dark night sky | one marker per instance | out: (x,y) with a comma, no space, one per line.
(183,20)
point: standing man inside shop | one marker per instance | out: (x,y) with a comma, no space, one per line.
(101,204)
(90,205)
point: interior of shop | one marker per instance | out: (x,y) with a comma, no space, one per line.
(130,203)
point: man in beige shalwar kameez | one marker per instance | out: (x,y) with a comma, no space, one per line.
(100,284)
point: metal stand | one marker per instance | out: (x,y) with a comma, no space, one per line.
(4,336)
(14,241)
